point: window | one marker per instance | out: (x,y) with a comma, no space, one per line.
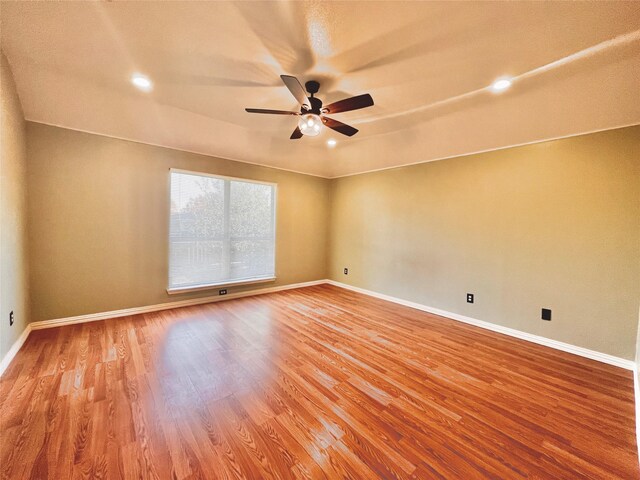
(221,231)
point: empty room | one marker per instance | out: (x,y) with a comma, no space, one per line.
(319,240)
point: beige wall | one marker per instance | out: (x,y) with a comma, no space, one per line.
(553,225)
(99,221)
(13,212)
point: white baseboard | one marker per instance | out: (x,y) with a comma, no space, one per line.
(6,360)
(92,317)
(565,347)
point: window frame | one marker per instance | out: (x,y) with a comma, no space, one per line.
(230,283)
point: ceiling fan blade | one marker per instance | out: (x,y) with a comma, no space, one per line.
(273,112)
(296,134)
(340,127)
(296,89)
(352,103)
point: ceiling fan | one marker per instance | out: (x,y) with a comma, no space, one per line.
(312,114)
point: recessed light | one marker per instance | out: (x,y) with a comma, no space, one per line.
(501,84)
(331,142)
(141,82)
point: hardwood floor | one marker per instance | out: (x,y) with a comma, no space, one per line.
(317,382)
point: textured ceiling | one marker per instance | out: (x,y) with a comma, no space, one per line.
(426,64)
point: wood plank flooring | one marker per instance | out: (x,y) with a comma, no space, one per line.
(317,382)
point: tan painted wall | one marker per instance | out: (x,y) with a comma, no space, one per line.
(13,212)
(553,225)
(99,221)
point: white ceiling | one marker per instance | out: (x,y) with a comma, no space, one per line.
(426,64)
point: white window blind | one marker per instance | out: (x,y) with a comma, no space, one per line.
(222,230)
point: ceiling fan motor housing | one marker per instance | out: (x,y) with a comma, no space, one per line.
(316,105)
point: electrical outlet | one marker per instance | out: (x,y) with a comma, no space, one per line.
(469,297)
(546,314)
(11,318)
(222,292)
(346,271)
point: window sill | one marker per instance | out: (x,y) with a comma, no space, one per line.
(237,283)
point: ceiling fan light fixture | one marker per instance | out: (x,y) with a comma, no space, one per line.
(310,124)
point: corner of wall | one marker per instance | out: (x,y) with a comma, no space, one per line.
(14,289)
(329,260)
